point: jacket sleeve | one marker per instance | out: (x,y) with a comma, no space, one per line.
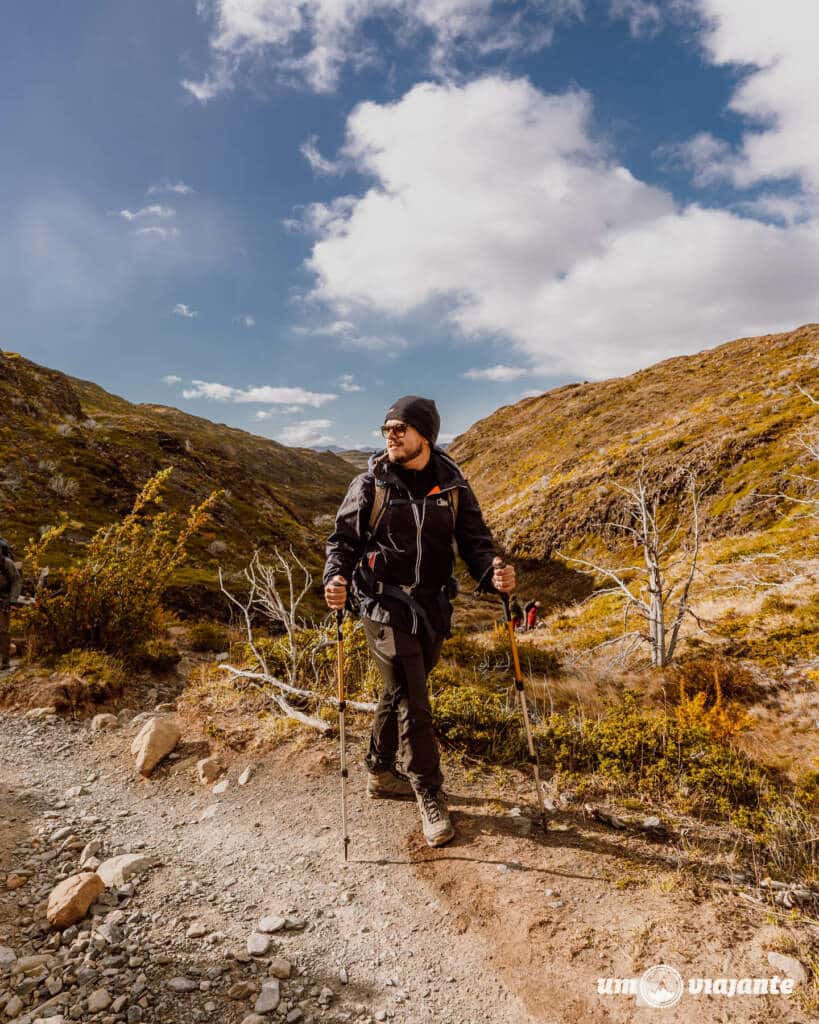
(475,544)
(345,543)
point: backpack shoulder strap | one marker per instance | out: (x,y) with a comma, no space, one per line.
(377,510)
(454,494)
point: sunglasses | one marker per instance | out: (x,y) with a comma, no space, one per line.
(398,429)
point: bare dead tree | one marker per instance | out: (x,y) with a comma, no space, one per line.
(274,593)
(653,601)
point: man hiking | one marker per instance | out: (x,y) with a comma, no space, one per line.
(9,592)
(390,559)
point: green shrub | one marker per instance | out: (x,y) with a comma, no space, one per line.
(157,655)
(100,675)
(207,636)
(478,722)
(110,599)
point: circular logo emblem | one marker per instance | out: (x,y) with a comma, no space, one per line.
(661,986)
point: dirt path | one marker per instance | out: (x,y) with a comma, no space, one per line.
(504,925)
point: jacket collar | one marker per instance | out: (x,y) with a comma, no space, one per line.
(447,471)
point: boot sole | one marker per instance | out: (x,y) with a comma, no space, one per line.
(387,795)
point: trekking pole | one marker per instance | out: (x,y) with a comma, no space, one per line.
(533,758)
(341,735)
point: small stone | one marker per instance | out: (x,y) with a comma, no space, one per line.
(134,1014)
(280,968)
(7,956)
(208,770)
(246,776)
(253,1018)
(294,1015)
(380,1014)
(269,997)
(15,880)
(99,1000)
(90,850)
(103,723)
(155,740)
(271,924)
(258,944)
(14,1006)
(117,870)
(209,812)
(789,966)
(197,930)
(220,787)
(70,900)
(343,976)
(183,985)
(243,990)
(75,791)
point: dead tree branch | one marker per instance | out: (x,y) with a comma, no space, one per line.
(651,602)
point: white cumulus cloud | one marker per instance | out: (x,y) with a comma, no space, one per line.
(263,395)
(498,200)
(310,42)
(171,378)
(773,46)
(499,373)
(154,210)
(246,320)
(644,18)
(184,310)
(306,432)
(176,187)
(320,164)
(347,383)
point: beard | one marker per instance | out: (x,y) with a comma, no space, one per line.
(405,454)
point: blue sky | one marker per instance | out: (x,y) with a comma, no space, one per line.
(284,215)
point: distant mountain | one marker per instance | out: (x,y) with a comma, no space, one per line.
(69,446)
(358,457)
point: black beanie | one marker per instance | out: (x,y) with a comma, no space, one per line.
(421,413)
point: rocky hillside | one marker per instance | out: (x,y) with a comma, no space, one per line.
(544,467)
(69,446)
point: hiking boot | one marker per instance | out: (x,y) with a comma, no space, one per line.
(435,817)
(386,784)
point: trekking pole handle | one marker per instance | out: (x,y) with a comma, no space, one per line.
(504,596)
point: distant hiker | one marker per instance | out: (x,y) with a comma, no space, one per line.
(9,592)
(526,607)
(531,614)
(516,611)
(393,539)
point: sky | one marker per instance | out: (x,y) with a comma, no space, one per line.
(284,215)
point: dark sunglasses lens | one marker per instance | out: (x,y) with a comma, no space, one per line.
(398,430)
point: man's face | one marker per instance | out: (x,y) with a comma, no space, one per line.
(403,448)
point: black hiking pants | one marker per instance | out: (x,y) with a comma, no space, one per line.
(403,718)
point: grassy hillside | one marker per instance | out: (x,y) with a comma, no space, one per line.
(544,467)
(71,447)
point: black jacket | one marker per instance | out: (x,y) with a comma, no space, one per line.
(412,546)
